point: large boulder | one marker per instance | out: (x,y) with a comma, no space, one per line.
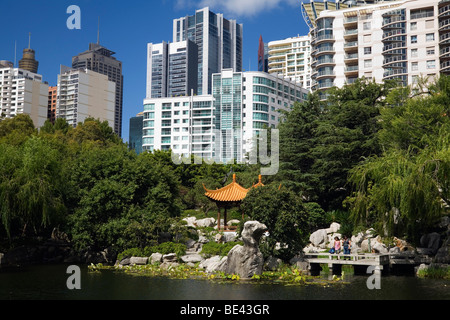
(138,261)
(207,222)
(191,221)
(429,243)
(443,254)
(318,238)
(334,228)
(214,264)
(155,258)
(247,261)
(192,258)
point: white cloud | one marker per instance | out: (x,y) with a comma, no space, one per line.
(238,8)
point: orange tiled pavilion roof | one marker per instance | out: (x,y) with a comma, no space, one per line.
(230,193)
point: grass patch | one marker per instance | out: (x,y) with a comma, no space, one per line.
(435,272)
(218,249)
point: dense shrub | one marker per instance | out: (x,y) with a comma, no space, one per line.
(218,249)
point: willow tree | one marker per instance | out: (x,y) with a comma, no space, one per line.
(406,189)
(31,187)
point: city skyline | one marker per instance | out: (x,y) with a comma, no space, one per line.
(55,44)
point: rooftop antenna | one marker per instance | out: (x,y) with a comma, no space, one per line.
(98,31)
(29,40)
(15,53)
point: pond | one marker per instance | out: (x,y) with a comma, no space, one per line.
(49,283)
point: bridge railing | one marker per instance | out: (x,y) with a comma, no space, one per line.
(330,257)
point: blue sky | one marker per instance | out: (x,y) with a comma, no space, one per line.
(126,27)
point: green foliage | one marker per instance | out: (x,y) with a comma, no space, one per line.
(218,249)
(163,248)
(402,191)
(283,213)
(31,188)
(435,272)
(320,142)
(316,216)
(17,130)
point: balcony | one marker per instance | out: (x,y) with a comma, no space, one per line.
(350,35)
(322,38)
(444,10)
(395,19)
(325,85)
(351,21)
(445,67)
(444,24)
(325,49)
(322,62)
(394,72)
(351,70)
(444,53)
(393,46)
(421,15)
(394,59)
(325,74)
(444,38)
(351,57)
(392,33)
(351,46)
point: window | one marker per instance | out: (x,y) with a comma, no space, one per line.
(431,64)
(414,53)
(368,63)
(413,39)
(414,66)
(368,50)
(430,37)
(413,25)
(367,38)
(367,25)
(430,51)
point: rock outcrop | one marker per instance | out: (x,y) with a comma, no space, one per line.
(247,260)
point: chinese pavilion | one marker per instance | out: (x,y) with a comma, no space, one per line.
(228,197)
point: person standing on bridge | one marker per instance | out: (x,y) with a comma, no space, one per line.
(336,246)
(347,245)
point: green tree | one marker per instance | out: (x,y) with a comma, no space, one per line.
(404,190)
(345,135)
(297,140)
(31,192)
(117,193)
(16,130)
(283,213)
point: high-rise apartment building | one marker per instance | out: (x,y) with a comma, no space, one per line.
(400,40)
(172,69)
(219,42)
(183,124)
(220,126)
(23,92)
(84,94)
(52,98)
(102,60)
(292,58)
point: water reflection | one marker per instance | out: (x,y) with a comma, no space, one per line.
(49,283)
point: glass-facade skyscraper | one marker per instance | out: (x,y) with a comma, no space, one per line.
(136,132)
(172,69)
(219,42)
